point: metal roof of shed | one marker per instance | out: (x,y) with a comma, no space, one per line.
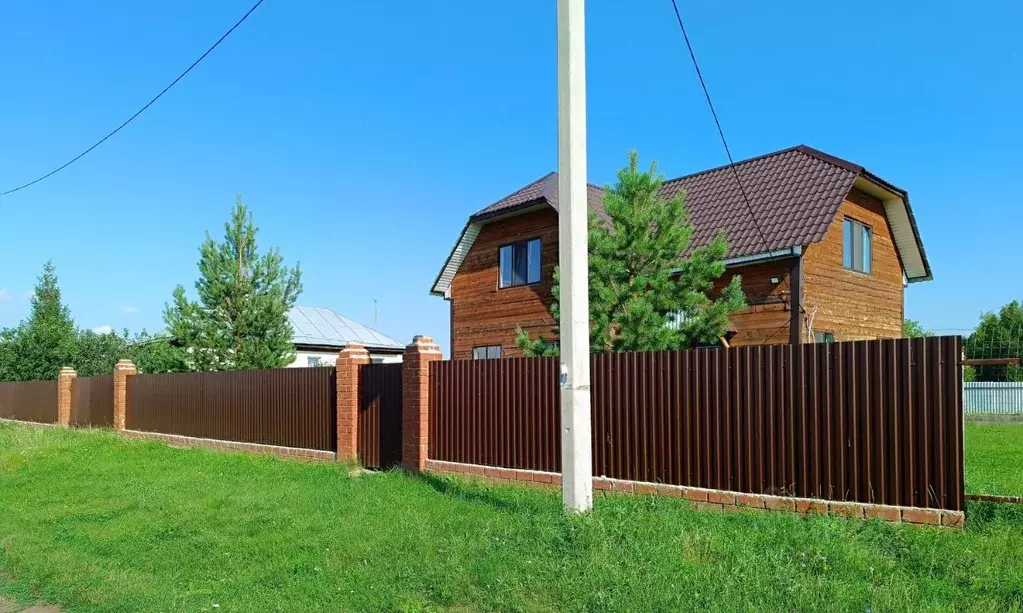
(320,326)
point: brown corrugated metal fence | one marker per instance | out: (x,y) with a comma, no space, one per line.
(92,401)
(379,429)
(289,407)
(870,421)
(29,401)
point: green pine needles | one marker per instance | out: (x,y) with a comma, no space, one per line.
(241,318)
(650,289)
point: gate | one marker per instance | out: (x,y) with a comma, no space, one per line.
(92,401)
(379,427)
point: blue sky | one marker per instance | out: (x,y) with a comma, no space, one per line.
(363,134)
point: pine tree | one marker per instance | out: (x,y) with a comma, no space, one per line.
(39,346)
(240,320)
(644,275)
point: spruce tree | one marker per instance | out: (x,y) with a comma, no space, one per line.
(39,346)
(644,274)
(240,320)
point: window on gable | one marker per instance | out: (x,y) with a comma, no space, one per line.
(491,352)
(856,252)
(520,263)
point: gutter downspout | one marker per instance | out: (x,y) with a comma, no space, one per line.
(796,300)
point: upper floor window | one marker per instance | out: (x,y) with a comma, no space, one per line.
(823,337)
(856,252)
(520,263)
(491,352)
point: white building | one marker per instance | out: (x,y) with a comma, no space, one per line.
(321,333)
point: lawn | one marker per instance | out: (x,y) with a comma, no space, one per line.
(93,522)
(994,459)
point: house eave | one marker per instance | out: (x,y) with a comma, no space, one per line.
(324,348)
(902,222)
(442,283)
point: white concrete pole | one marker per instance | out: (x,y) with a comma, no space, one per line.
(576,447)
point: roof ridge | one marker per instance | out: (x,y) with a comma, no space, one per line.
(739,163)
(512,193)
(834,160)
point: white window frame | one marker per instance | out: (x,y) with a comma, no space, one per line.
(487,352)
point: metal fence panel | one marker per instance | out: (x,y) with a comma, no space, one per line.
(29,401)
(379,425)
(92,401)
(993,397)
(289,407)
(870,421)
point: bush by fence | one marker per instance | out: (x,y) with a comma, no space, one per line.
(285,407)
(29,401)
(870,421)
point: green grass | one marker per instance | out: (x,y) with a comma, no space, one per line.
(93,522)
(994,459)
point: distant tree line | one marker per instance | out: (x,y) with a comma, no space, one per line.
(238,322)
(997,335)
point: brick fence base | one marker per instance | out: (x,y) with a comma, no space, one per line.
(994,498)
(717,500)
(29,423)
(188,441)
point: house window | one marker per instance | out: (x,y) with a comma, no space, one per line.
(823,337)
(856,253)
(520,263)
(314,361)
(491,352)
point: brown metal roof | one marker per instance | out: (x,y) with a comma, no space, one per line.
(794,195)
(542,191)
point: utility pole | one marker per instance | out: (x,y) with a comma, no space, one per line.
(576,446)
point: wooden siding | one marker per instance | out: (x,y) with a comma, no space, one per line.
(484,314)
(766,320)
(853,305)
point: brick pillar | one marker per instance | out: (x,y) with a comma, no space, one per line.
(65,380)
(122,370)
(353,357)
(415,401)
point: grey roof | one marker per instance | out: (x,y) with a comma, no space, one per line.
(318,326)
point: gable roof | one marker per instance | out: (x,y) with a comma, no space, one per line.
(324,327)
(794,195)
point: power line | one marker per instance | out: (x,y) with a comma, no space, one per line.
(721,132)
(141,110)
(728,151)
